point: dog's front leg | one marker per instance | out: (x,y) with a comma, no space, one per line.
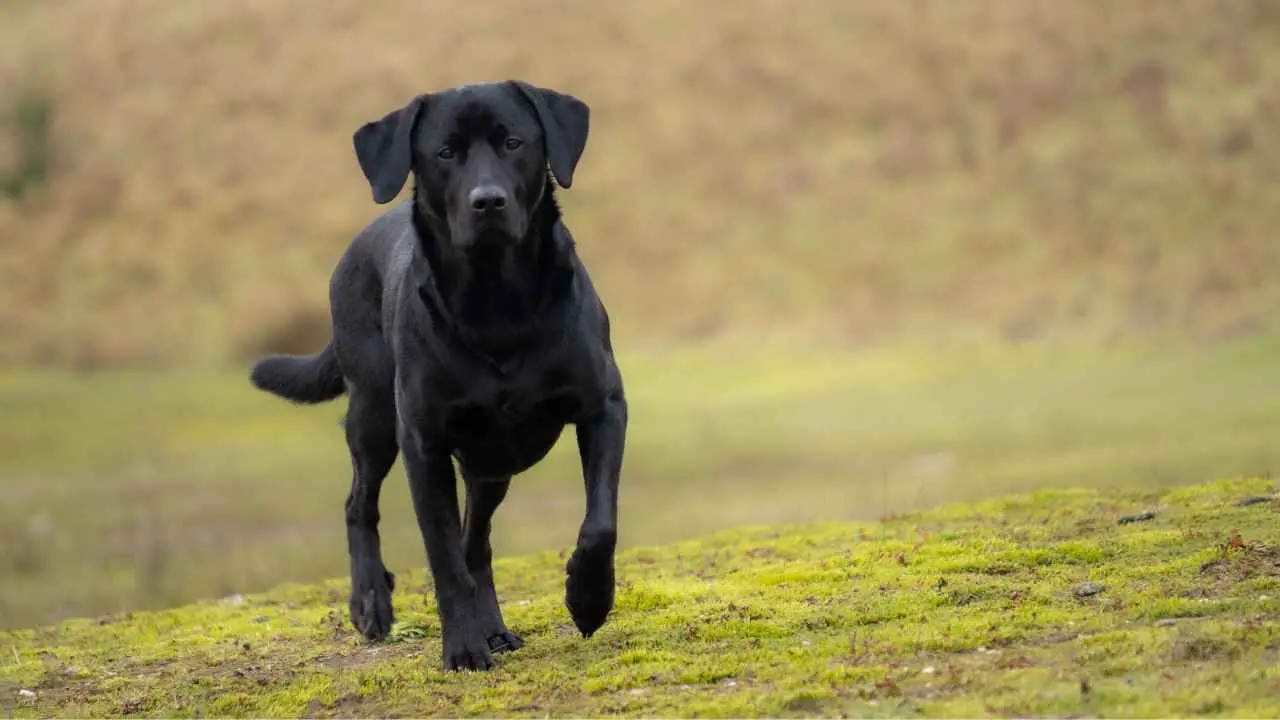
(435,500)
(589,582)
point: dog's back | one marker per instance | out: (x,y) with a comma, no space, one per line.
(362,298)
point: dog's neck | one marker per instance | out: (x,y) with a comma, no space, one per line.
(495,299)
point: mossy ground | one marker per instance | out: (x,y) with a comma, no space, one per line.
(975,609)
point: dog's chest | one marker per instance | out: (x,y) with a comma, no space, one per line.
(488,406)
(493,409)
(498,430)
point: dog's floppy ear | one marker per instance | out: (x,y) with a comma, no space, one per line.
(565,120)
(384,149)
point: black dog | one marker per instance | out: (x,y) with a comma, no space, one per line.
(465,326)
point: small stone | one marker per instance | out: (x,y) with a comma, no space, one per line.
(1088,589)
(26,694)
(637,691)
(1255,500)
(1140,517)
(731,683)
(261,619)
(1166,622)
(928,670)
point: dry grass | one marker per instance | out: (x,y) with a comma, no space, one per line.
(853,171)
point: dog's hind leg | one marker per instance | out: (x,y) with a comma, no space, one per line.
(371,438)
(483,497)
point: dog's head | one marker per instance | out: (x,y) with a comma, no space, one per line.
(479,154)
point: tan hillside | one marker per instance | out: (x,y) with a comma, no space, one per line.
(1086,170)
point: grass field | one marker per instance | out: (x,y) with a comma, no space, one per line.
(123,490)
(862,259)
(1036,605)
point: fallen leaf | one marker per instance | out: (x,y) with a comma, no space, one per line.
(889,686)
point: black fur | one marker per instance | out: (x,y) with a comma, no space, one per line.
(312,379)
(465,328)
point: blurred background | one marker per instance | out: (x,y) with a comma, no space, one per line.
(862,257)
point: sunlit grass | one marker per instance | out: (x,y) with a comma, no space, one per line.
(1028,606)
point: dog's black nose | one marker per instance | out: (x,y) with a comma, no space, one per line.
(488,198)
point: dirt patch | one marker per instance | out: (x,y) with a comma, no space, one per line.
(68,693)
(366,654)
(1244,563)
(1257,500)
(345,706)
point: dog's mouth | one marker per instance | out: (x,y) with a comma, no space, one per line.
(492,234)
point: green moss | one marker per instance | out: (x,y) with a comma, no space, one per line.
(901,617)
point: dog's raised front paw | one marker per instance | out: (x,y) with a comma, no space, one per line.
(589,586)
(370,605)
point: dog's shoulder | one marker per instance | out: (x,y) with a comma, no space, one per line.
(388,229)
(588,349)
(588,306)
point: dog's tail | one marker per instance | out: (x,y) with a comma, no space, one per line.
(303,379)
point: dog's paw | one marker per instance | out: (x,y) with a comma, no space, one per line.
(505,641)
(589,586)
(370,605)
(465,650)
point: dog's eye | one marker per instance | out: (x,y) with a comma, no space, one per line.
(514,143)
(445,153)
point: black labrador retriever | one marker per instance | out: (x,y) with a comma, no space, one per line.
(465,326)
